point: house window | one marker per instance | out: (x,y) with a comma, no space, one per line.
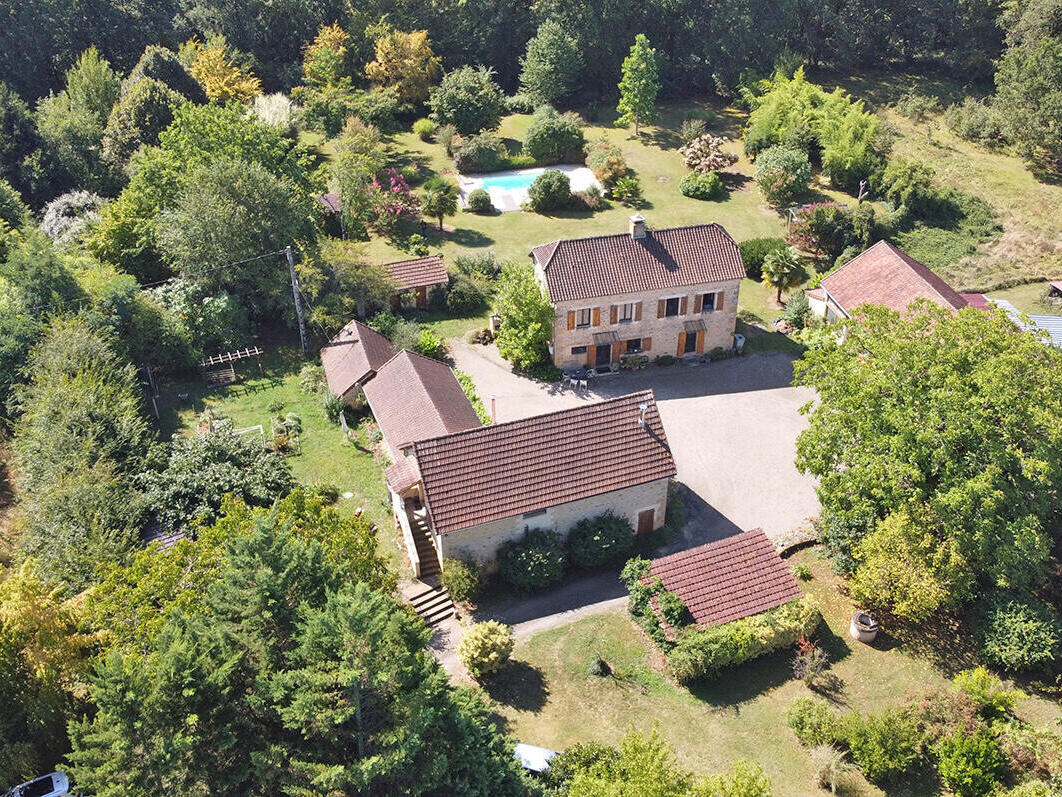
(634,346)
(578,349)
(671,307)
(626,313)
(707,302)
(582,317)
(536,513)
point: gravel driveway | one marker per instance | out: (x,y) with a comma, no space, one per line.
(732,426)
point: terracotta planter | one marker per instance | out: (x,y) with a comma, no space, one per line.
(864,627)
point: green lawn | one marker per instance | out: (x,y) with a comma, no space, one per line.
(327,456)
(654,158)
(550,700)
(1028,298)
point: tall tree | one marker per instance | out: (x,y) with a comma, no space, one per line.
(550,66)
(440,199)
(326,60)
(468,99)
(406,62)
(221,78)
(526,315)
(950,420)
(297,682)
(640,85)
(1029,95)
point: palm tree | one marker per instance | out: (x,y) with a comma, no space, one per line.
(783,269)
(440,199)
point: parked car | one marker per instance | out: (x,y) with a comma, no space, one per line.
(53,785)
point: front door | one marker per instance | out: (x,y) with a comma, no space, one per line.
(603,356)
(646,520)
(690,346)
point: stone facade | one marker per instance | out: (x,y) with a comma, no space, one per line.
(481,543)
(643,323)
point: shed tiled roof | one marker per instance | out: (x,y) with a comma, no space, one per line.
(612,265)
(727,579)
(418,272)
(403,474)
(534,463)
(353,356)
(414,398)
(886,276)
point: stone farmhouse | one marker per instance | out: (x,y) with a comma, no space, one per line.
(652,292)
(883,275)
(459,489)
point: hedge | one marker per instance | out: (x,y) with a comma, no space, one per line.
(703,653)
(534,561)
(598,540)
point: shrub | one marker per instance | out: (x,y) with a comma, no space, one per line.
(987,692)
(448,137)
(828,229)
(810,662)
(467,296)
(691,129)
(746,779)
(425,129)
(976,120)
(385,323)
(312,379)
(813,722)
(332,406)
(551,190)
(705,154)
(910,184)
(782,173)
(796,314)
(703,653)
(828,766)
(627,190)
(802,571)
(884,745)
(462,580)
(592,198)
(430,344)
(554,138)
(484,152)
(971,765)
(606,161)
(917,107)
(479,202)
(469,387)
(485,647)
(595,541)
(753,252)
(1017,633)
(326,491)
(533,562)
(702,186)
(672,608)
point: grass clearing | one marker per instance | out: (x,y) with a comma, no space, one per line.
(550,699)
(327,456)
(1029,298)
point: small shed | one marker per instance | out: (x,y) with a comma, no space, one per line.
(728,579)
(420,276)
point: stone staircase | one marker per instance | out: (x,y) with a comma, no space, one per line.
(433,602)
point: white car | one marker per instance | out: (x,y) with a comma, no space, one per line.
(54,785)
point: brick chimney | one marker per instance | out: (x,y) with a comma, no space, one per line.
(637,226)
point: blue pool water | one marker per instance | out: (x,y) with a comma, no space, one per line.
(509,181)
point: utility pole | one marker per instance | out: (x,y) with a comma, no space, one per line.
(298,297)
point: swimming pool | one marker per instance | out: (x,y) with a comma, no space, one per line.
(508,190)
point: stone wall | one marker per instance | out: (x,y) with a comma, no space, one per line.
(481,543)
(665,334)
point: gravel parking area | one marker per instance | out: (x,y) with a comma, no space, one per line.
(732,426)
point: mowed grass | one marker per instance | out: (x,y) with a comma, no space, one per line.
(1029,298)
(654,158)
(550,699)
(327,456)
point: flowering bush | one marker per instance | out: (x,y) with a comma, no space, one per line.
(485,647)
(705,154)
(392,201)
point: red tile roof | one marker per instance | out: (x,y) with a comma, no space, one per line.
(403,474)
(522,466)
(354,355)
(414,398)
(886,276)
(978,300)
(417,273)
(728,579)
(611,265)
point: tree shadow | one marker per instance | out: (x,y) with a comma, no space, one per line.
(466,237)
(518,685)
(664,138)
(745,682)
(415,166)
(735,181)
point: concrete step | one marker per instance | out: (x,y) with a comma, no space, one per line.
(433,605)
